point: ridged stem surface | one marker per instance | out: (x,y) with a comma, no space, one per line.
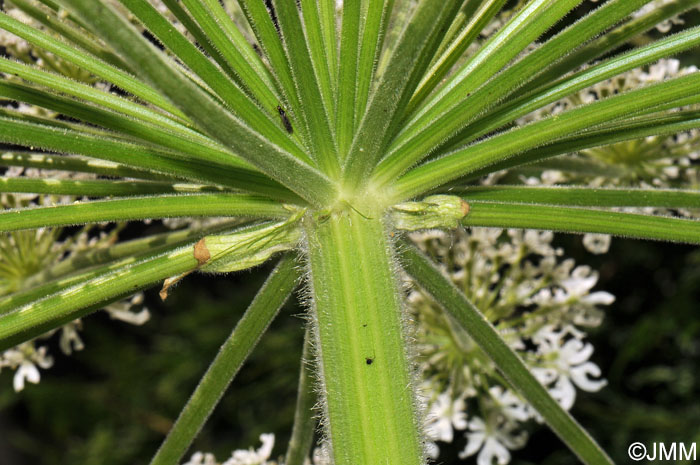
(369,404)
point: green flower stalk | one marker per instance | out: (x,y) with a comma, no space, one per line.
(317,133)
(534,299)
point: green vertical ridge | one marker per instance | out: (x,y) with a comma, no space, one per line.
(369,405)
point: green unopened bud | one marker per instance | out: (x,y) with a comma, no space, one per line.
(435,211)
(243,249)
(247,248)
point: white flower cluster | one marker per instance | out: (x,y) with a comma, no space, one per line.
(28,357)
(651,162)
(25,254)
(538,302)
(240,457)
(260,456)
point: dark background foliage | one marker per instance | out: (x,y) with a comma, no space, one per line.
(112,403)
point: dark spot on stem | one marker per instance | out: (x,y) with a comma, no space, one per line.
(285,121)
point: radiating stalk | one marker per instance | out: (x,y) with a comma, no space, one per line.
(89,295)
(586,116)
(446,294)
(228,361)
(139,208)
(87,260)
(89,63)
(304,422)
(98,187)
(47,161)
(369,409)
(582,220)
(154,67)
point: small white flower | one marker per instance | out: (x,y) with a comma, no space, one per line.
(240,457)
(123,311)
(521,286)
(663,26)
(597,243)
(580,282)
(551,177)
(566,365)
(26,371)
(322,456)
(200,458)
(70,339)
(432,450)
(445,416)
(491,442)
(27,360)
(509,404)
(253,457)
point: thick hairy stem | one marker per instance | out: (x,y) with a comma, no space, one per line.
(369,412)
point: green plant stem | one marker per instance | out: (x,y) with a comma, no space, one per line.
(81,165)
(377,15)
(64,85)
(313,108)
(447,59)
(347,74)
(228,361)
(165,206)
(577,196)
(304,422)
(99,68)
(200,38)
(98,262)
(369,406)
(611,40)
(150,159)
(269,40)
(313,26)
(89,259)
(97,188)
(505,84)
(503,146)
(465,16)
(69,30)
(582,220)
(666,124)
(83,298)
(520,106)
(453,301)
(183,143)
(529,23)
(154,66)
(12,302)
(235,99)
(386,106)
(230,43)
(442,124)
